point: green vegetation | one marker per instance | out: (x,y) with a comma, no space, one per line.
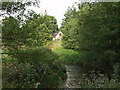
(98,81)
(93,31)
(32,66)
(53,45)
(91,39)
(26,62)
(67,56)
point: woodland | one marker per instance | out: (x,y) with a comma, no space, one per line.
(91,40)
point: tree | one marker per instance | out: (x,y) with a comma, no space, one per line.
(51,22)
(35,31)
(98,35)
(11,32)
(41,28)
(9,8)
(69,28)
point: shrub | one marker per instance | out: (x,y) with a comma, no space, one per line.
(36,55)
(36,67)
(99,81)
(116,74)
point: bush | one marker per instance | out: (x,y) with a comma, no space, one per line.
(99,81)
(36,55)
(116,74)
(36,67)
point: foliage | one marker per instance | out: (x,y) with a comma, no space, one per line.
(12,34)
(40,28)
(98,81)
(116,74)
(32,68)
(16,7)
(67,56)
(51,23)
(25,63)
(53,45)
(69,28)
(91,39)
(35,55)
(97,35)
(34,32)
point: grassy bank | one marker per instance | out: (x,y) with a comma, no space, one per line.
(65,56)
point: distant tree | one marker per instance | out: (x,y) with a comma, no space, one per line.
(36,30)
(43,27)
(51,22)
(69,28)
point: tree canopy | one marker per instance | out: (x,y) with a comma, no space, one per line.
(94,32)
(31,31)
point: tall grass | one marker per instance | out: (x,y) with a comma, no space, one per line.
(67,56)
(53,45)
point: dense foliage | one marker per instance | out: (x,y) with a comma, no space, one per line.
(70,30)
(26,64)
(31,69)
(36,31)
(91,39)
(94,32)
(10,7)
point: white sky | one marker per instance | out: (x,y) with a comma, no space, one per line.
(55,8)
